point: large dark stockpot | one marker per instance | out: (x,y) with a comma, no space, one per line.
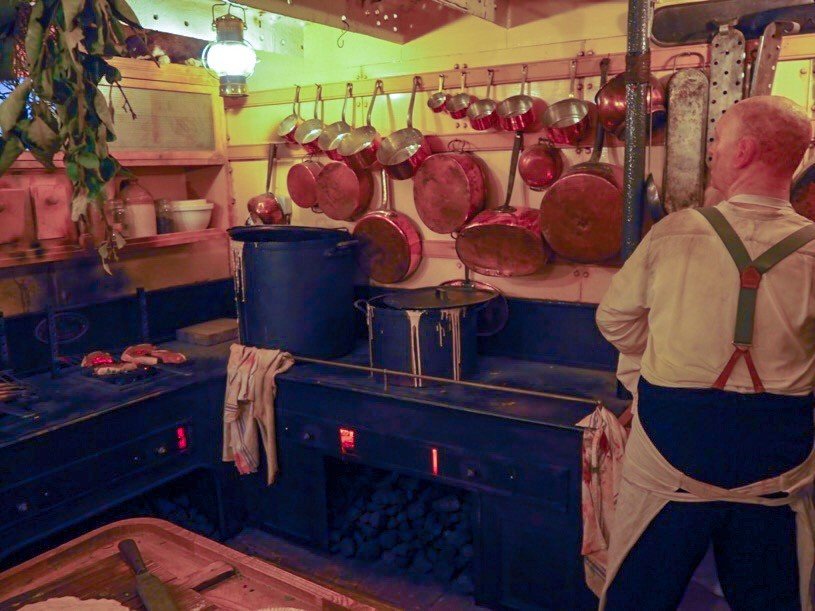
(431,331)
(294,288)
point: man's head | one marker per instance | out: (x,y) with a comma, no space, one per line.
(759,143)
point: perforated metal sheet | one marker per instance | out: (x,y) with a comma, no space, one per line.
(726,77)
(685,140)
(763,73)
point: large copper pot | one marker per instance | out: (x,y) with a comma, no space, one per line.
(505,241)
(343,193)
(582,213)
(448,191)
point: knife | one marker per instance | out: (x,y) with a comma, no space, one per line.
(152,592)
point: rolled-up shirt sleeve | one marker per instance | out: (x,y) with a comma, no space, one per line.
(622,315)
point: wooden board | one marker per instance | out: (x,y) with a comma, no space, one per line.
(201,574)
(210,332)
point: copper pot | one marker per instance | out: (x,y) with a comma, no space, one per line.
(390,245)
(517,113)
(448,191)
(308,133)
(540,165)
(404,150)
(436,102)
(333,134)
(301,182)
(360,146)
(457,105)
(481,113)
(289,125)
(611,104)
(267,208)
(582,213)
(505,241)
(568,121)
(343,193)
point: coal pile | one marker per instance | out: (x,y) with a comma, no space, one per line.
(415,526)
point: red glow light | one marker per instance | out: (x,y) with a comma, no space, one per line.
(348,441)
(181,438)
(434,461)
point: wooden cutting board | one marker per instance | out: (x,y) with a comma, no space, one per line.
(210,332)
(108,578)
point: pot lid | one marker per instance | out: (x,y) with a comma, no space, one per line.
(437,297)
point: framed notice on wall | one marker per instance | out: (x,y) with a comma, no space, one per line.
(165,120)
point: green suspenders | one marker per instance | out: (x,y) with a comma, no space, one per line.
(750,272)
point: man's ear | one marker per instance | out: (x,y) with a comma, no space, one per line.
(747,151)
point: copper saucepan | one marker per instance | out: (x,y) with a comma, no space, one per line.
(301,182)
(568,121)
(517,113)
(481,113)
(505,241)
(288,126)
(540,165)
(267,207)
(437,101)
(360,146)
(404,150)
(333,134)
(611,104)
(390,245)
(343,193)
(582,213)
(308,133)
(457,105)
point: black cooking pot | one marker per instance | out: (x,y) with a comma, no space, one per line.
(430,331)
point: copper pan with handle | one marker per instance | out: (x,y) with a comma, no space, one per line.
(390,245)
(360,146)
(481,113)
(457,105)
(518,112)
(308,133)
(437,101)
(505,241)
(582,213)
(301,182)
(343,193)
(289,125)
(568,121)
(404,150)
(333,134)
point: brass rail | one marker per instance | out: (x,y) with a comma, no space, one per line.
(480,385)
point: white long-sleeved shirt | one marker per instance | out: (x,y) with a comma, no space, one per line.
(671,309)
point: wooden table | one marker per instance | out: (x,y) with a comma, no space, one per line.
(202,575)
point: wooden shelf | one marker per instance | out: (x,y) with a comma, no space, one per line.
(136,159)
(50,253)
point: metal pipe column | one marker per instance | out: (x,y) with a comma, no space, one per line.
(638,72)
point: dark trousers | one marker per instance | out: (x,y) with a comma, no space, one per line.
(729,440)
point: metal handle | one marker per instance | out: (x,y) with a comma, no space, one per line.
(525,71)
(361,305)
(130,552)
(490,78)
(349,93)
(377,88)
(386,192)
(340,248)
(417,80)
(463,81)
(676,57)
(572,77)
(295,105)
(600,132)
(270,165)
(513,167)
(317,99)
(441,82)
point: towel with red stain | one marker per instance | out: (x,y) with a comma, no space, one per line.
(249,407)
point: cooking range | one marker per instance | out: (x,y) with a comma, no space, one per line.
(74,444)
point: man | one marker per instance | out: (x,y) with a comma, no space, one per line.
(720,413)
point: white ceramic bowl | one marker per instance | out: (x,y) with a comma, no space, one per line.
(191,214)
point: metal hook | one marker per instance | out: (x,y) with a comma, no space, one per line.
(340,41)
(525,72)
(441,82)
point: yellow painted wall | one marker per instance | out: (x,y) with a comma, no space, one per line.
(563,29)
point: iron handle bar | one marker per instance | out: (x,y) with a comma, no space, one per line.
(481,385)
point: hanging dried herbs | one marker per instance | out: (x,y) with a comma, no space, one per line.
(57,49)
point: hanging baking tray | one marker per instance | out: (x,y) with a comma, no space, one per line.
(727,57)
(698,22)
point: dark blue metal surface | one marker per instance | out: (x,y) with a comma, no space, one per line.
(299,289)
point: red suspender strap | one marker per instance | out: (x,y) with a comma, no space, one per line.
(724,376)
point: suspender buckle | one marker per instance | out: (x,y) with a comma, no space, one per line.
(750,277)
